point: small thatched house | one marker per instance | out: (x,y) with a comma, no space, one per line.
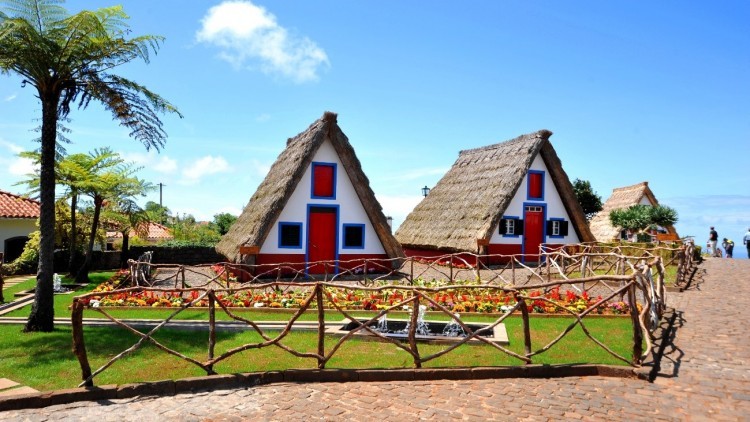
(18,217)
(502,199)
(314,205)
(621,198)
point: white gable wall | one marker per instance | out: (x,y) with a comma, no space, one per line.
(552,201)
(351,210)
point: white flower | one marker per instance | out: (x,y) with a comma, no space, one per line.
(259,305)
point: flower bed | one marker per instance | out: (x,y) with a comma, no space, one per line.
(469,298)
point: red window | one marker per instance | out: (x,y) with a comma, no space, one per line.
(536,185)
(324,181)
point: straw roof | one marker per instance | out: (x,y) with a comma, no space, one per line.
(468,202)
(257,219)
(15,206)
(623,197)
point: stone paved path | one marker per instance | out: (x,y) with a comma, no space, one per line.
(704,376)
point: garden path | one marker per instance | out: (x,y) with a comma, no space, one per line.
(704,376)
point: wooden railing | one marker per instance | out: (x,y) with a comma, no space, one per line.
(639,278)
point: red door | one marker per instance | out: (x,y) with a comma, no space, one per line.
(533,232)
(321,239)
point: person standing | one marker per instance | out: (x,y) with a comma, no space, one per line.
(728,246)
(713,237)
(746,240)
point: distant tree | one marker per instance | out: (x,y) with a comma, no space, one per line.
(186,230)
(639,218)
(589,200)
(68,59)
(157,212)
(223,222)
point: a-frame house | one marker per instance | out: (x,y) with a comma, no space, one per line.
(621,198)
(501,199)
(315,204)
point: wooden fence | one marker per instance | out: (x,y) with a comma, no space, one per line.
(640,278)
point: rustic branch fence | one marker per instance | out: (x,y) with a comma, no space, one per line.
(639,277)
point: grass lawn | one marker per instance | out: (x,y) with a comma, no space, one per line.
(45,361)
(10,291)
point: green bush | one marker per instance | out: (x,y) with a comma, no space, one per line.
(28,262)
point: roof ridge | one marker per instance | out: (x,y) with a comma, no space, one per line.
(539,134)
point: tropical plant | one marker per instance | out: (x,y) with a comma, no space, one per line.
(589,200)
(68,60)
(72,172)
(124,216)
(638,218)
(117,184)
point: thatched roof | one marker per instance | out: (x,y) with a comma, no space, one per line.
(623,197)
(257,219)
(468,202)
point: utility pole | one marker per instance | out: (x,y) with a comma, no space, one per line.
(161,185)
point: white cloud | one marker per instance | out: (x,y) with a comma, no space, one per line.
(11,97)
(15,165)
(152,161)
(263,117)
(261,168)
(398,207)
(21,166)
(245,32)
(419,173)
(193,172)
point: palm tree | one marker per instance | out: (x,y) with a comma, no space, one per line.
(125,216)
(72,172)
(68,59)
(118,185)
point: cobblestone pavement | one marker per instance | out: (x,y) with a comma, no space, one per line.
(704,376)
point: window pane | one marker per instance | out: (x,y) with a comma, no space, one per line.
(290,235)
(354,236)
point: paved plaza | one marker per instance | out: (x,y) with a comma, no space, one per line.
(703,375)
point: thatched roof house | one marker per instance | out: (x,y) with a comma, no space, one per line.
(306,204)
(486,196)
(621,198)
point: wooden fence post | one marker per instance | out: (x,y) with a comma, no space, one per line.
(79,347)
(526,326)
(211,329)
(637,332)
(321,326)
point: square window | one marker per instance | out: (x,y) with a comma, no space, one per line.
(290,235)
(354,236)
(324,180)
(510,226)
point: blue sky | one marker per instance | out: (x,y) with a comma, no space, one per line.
(633,91)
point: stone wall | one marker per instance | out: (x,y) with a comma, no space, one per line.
(187,255)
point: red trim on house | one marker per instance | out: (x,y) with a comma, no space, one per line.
(502,249)
(377,263)
(268,262)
